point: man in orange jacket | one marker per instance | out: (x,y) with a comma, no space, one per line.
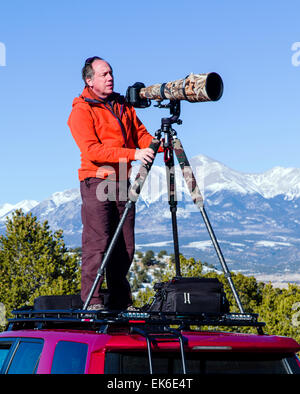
(110,136)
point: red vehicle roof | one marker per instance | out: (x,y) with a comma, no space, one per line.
(196,341)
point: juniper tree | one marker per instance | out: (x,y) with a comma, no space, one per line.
(34,261)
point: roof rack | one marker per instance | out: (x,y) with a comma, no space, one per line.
(153,326)
(102,320)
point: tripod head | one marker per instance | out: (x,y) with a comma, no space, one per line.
(166,123)
(174,107)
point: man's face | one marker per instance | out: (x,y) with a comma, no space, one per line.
(102,82)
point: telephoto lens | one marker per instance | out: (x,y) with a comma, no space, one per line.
(194,88)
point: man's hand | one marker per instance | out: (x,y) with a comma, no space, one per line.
(144,155)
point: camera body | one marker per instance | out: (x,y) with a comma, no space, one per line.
(133,96)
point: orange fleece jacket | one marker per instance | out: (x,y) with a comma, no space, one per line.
(105,135)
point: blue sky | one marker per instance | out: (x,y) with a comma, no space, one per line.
(254,127)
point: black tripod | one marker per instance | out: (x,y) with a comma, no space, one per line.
(171,144)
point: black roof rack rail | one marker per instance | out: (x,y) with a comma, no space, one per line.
(100,320)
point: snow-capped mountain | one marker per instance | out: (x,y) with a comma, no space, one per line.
(7,209)
(256,217)
(277,181)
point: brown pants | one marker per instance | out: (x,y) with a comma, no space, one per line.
(101,212)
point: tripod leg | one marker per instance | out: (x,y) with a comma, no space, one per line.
(136,187)
(170,173)
(133,195)
(198,200)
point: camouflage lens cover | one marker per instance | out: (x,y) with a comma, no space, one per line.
(193,88)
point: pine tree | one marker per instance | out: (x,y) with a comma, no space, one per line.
(148,258)
(34,261)
(280,310)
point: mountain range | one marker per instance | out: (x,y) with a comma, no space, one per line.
(256,217)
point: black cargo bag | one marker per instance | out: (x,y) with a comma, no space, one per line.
(189,295)
(58,302)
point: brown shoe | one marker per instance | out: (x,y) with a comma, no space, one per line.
(132,308)
(96,307)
